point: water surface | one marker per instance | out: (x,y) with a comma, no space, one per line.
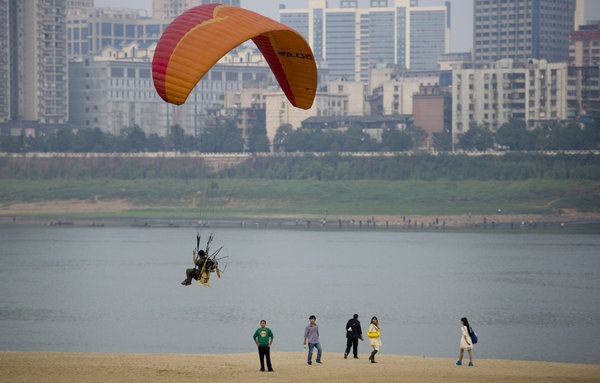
(529,296)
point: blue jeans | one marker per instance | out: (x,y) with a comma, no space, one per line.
(311,346)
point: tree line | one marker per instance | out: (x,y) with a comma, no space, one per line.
(223,138)
(401,166)
(549,135)
(421,166)
(226,138)
(512,135)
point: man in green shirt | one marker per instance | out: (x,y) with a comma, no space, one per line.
(263,337)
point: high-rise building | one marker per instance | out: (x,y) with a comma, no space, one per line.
(352,40)
(114,89)
(170,9)
(33,56)
(583,92)
(4,61)
(533,91)
(90,29)
(585,45)
(523,29)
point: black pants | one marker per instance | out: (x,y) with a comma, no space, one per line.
(354,344)
(191,274)
(264,351)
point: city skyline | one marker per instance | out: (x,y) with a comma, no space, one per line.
(461,35)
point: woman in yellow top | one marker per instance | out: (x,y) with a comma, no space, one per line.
(374,339)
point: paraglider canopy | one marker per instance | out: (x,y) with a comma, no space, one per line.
(199,37)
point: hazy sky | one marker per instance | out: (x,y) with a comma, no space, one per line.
(462,13)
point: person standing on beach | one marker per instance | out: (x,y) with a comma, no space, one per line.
(263,337)
(466,343)
(353,334)
(311,332)
(374,338)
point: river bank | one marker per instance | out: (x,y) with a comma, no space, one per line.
(289,367)
(124,213)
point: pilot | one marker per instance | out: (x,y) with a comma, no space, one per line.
(196,271)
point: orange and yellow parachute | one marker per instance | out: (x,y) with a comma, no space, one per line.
(199,37)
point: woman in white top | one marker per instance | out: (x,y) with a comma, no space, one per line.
(465,342)
(374,339)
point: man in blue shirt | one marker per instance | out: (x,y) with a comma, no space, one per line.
(311,333)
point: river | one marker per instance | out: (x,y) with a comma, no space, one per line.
(530,296)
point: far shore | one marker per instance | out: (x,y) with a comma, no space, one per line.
(121,213)
(19,366)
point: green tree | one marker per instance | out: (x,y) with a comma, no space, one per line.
(442,141)
(591,133)
(61,141)
(154,143)
(476,138)
(258,140)
(281,140)
(417,135)
(175,139)
(12,144)
(395,140)
(224,138)
(135,139)
(35,144)
(515,136)
(356,140)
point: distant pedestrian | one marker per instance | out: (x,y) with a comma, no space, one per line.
(263,337)
(353,334)
(466,343)
(374,338)
(311,333)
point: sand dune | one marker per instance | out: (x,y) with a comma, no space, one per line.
(289,367)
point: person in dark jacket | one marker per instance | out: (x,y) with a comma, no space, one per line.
(353,334)
(196,272)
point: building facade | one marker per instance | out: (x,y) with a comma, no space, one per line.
(532,91)
(432,110)
(523,29)
(114,90)
(352,40)
(89,30)
(391,89)
(5,68)
(33,70)
(170,9)
(583,92)
(585,45)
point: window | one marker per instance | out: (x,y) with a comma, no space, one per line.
(144,73)
(116,72)
(106,29)
(119,30)
(130,31)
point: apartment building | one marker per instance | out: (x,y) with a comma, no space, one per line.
(114,90)
(523,29)
(170,9)
(352,40)
(585,45)
(490,96)
(33,70)
(583,92)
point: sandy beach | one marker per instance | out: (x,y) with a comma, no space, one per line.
(18,366)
